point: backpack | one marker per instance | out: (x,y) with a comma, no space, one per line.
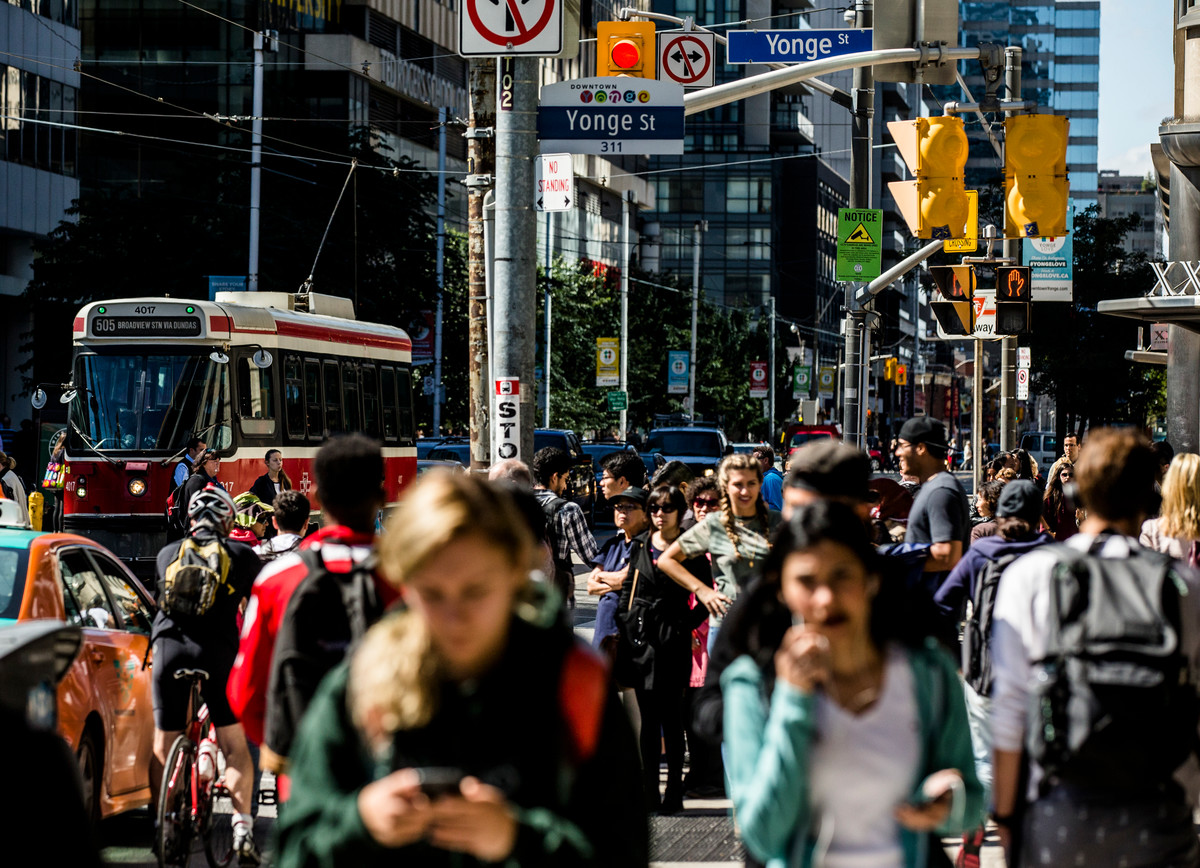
(1114,704)
(192,581)
(176,508)
(564,574)
(977,628)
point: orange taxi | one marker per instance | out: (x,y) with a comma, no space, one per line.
(104,702)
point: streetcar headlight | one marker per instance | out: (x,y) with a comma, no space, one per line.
(137,486)
(708,471)
(81,487)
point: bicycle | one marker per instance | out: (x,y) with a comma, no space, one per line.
(191,783)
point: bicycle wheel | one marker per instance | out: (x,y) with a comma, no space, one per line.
(217,828)
(175,805)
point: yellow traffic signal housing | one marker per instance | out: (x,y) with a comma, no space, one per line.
(889,369)
(935,205)
(1035,176)
(625,48)
(956,285)
(1013,300)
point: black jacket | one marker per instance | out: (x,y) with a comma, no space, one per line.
(330,609)
(508,729)
(264,489)
(665,660)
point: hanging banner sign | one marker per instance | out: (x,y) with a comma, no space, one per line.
(758,380)
(801,381)
(1050,262)
(507,439)
(608,361)
(677,372)
(825,378)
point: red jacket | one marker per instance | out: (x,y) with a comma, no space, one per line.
(249,680)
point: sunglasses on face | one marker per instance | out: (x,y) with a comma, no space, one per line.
(662,509)
(705,502)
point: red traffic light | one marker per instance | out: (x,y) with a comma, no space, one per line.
(1013,283)
(625,53)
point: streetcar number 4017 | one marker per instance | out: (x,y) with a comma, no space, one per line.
(144,308)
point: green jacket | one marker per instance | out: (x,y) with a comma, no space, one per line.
(507,730)
(768,743)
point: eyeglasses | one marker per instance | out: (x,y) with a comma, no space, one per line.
(708,502)
(663,509)
(626,507)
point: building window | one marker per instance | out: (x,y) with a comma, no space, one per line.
(754,243)
(750,196)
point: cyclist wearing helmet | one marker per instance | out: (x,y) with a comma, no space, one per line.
(198,629)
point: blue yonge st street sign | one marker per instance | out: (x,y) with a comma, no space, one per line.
(793,46)
(618,115)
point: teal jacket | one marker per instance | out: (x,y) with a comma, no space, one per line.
(767,744)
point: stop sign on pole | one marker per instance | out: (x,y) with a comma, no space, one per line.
(758,380)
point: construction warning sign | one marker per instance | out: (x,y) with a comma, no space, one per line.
(859,243)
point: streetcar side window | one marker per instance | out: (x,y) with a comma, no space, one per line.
(293,397)
(387,385)
(333,400)
(370,396)
(312,399)
(404,388)
(350,397)
(256,403)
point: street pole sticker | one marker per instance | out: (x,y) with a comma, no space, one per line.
(489,28)
(859,243)
(687,58)
(508,419)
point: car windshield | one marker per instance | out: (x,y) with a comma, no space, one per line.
(799,439)
(155,402)
(12,581)
(684,442)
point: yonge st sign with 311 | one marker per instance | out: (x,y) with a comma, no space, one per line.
(611,116)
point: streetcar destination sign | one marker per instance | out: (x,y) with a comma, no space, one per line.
(143,327)
(618,115)
(793,46)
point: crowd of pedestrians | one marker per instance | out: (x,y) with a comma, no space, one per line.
(865,667)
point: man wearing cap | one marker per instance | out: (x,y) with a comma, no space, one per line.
(941,515)
(829,469)
(611,563)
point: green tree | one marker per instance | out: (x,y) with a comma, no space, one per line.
(1079,353)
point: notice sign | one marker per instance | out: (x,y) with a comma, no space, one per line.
(758,380)
(608,361)
(677,372)
(1050,262)
(507,442)
(859,243)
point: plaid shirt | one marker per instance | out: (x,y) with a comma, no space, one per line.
(570,530)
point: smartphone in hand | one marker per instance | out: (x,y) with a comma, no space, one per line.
(438,781)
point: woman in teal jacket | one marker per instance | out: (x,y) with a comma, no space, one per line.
(846,732)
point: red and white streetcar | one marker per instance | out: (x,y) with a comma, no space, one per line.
(247,372)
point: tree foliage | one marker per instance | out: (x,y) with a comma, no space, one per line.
(1079,353)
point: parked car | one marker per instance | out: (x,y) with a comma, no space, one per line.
(424,465)
(449,449)
(880,460)
(701,447)
(743,448)
(1042,446)
(581,481)
(105,711)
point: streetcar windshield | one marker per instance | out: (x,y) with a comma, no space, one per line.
(149,402)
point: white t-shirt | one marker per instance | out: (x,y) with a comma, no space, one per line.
(863,767)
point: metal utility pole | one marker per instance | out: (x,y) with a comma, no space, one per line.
(441,278)
(480,163)
(255,162)
(1012,250)
(626,208)
(546,326)
(862,94)
(516,234)
(771,379)
(698,227)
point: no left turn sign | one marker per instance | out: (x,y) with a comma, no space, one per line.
(510,27)
(687,58)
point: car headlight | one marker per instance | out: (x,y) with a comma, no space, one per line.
(137,486)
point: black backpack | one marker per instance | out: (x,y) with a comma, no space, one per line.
(176,508)
(977,628)
(1114,704)
(564,574)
